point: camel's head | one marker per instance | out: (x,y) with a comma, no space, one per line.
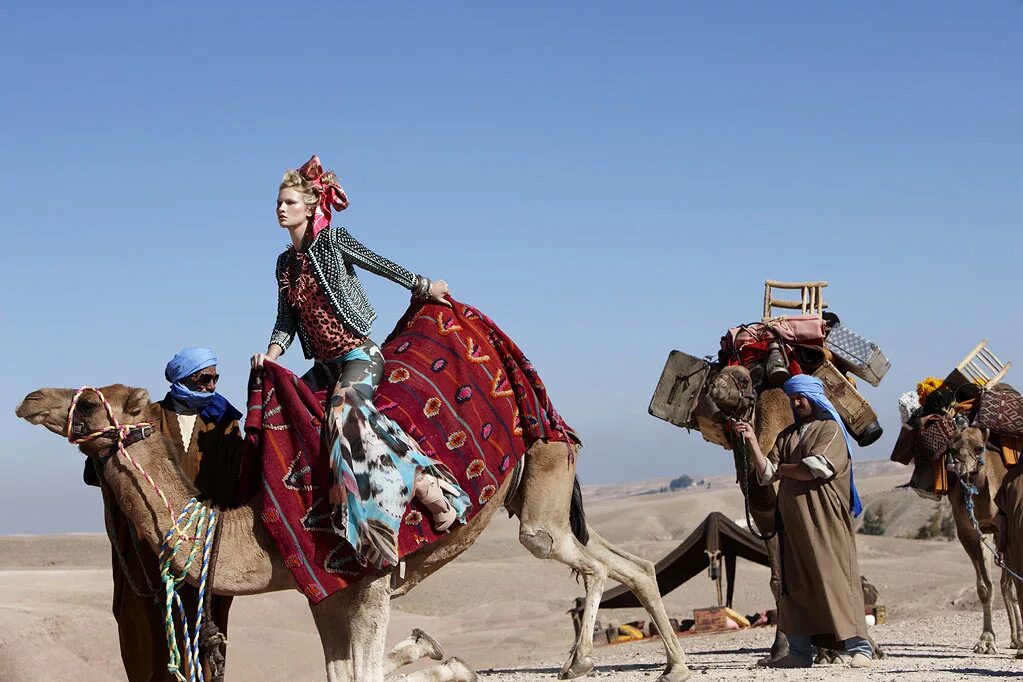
(49,407)
(966,453)
(731,388)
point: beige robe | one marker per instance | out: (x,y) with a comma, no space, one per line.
(1010,504)
(821,591)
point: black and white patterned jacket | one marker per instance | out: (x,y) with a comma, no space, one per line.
(333,254)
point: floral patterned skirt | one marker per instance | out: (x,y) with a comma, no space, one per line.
(373,461)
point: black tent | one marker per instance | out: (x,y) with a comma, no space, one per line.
(717,538)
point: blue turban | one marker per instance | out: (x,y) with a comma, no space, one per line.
(183,365)
(812,389)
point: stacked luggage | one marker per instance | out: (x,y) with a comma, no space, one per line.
(811,342)
(971,395)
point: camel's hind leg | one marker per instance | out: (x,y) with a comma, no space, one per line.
(639,576)
(1019,591)
(545,530)
(1011,596)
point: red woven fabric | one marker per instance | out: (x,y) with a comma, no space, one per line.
(747,345)
(453,381)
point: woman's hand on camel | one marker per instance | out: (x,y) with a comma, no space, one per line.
(438,290)
(258,359)
(745,429)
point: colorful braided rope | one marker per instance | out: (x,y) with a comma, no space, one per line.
(194,515)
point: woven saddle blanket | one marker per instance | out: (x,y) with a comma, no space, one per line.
(453,381)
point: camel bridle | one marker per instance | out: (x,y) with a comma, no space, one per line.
(195,514)
(123,435)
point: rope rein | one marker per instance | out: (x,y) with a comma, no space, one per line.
(195,517)
(969,492)
(766,537)
(119,432)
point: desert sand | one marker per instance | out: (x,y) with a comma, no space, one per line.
(504,611)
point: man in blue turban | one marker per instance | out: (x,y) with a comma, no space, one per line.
(208,447)
(821,592)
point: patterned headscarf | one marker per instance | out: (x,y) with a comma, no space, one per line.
(331,194)
(812,389)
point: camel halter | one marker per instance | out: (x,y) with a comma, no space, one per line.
(969,492)
(194,515)
(121,433)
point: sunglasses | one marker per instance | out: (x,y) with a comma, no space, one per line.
(204,379)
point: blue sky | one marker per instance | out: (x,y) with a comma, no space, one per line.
(607,181)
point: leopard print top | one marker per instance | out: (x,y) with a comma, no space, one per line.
(327,335)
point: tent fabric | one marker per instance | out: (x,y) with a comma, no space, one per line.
(716,533)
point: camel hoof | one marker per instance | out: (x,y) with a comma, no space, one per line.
(576,667)
(431,647)
(679,673)
(986,645)
(1019,653)
(460,670)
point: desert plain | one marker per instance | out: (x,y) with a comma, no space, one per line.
(504,611)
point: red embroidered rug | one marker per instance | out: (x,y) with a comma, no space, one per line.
(453,381)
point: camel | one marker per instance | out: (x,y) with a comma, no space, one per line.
(974,461)
(352,623)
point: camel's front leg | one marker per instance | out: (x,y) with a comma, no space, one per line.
(416,646)
(370,610)
(353,627)
(334,626)
(452,670)
(971,540)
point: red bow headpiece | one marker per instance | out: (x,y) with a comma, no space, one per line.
(331,194)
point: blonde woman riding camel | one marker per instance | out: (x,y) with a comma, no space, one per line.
(377,469)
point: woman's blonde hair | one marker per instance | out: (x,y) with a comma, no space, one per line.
(310,193)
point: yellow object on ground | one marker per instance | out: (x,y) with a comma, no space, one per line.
(627,633)
(740,620)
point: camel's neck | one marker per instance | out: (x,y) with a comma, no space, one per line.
(247,559)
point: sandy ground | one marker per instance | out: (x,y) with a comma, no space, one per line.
(504,611)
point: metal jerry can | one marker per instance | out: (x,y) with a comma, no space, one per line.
(679,388)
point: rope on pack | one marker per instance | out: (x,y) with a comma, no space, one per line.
(969,491)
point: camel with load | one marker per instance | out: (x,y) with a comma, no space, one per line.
(978,470)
